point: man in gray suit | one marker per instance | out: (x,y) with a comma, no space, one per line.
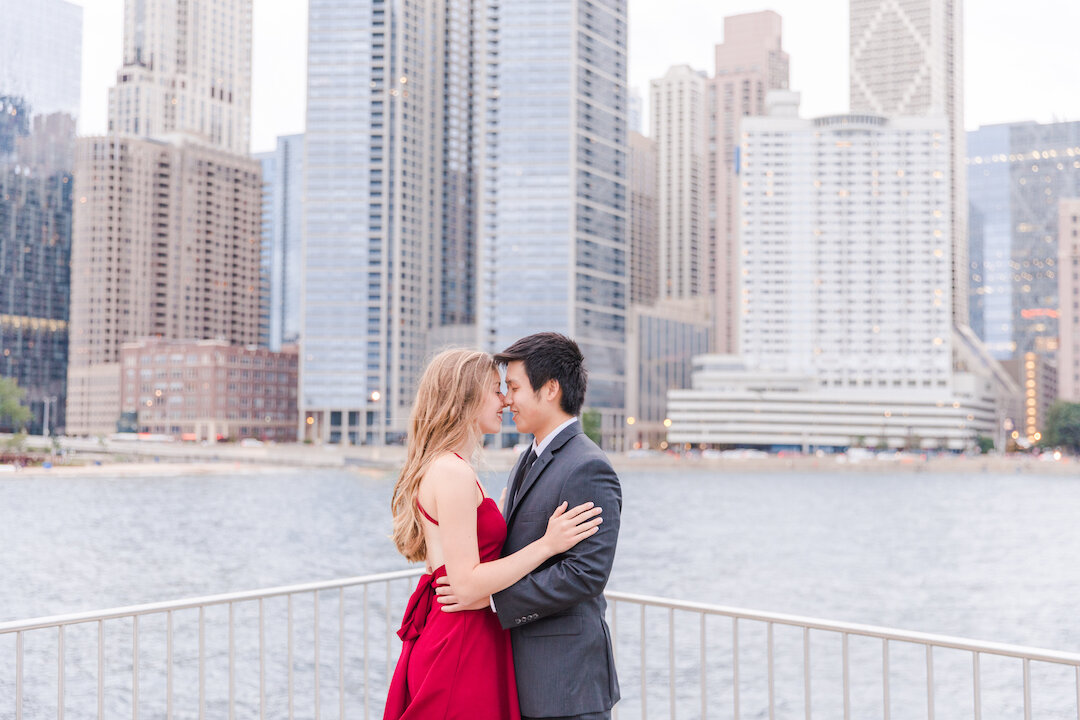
(562,647)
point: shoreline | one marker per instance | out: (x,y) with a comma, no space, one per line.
(124,465)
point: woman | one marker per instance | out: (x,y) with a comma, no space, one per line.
(459,665)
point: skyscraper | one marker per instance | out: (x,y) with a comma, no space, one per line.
(392,142)
(679,116)
(40,77)
(35,256)
(553,239)
(283,196)
(749,63)
(845,322)
(644,231)
(907,60)
(166,236)
(166,244)
(186,68)
(1017,173)
(41,54)
(1068,272)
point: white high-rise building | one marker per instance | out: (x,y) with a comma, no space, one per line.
(41,54)
(186,69)
(679,126)
(844,285)
(907,59)
(845,264)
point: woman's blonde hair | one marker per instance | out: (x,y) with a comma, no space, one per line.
(443,419)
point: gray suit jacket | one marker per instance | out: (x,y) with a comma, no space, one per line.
(562,646)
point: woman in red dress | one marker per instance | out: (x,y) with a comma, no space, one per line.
(459,665)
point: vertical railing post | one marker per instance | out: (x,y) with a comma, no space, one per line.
(735,663)
(341,653)
(930,682)
(60,674)
(704,674)
(202,663)
(885,683)
(315,598)
(289,654)
(18,675)
(135,668)
(976,684)
(847,679)
(671,661)
(771,673)
(232,661)
(101,670)
(262,662)
(806,671)
(644,680)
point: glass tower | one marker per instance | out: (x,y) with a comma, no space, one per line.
(554,238)
(1017,174)
(389,253)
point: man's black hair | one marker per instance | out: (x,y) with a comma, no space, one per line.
(549,355)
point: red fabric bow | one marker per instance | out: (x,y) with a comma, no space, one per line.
(419,607)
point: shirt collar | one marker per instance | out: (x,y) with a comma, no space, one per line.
(540,447)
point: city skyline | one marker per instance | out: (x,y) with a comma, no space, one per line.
(1004,83)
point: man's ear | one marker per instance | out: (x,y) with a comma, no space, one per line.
(551,390)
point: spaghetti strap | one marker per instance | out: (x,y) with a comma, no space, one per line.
(422,510)
(433,520)
(481,487)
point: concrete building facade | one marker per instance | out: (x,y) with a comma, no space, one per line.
(186,69)
(679,125)
(166,245)
(644,228)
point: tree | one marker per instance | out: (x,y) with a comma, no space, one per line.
(590,425)
(12,411)
(1062,426)
(985,443)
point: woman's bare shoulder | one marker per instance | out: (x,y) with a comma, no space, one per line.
(448,472)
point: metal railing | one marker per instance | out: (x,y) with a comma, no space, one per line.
(379,613)
(709,676)
(216,656)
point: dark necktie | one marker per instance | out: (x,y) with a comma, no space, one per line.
(520,477)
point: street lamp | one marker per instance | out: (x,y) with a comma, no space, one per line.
(378,437)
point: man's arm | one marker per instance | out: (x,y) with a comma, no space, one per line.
(581,572)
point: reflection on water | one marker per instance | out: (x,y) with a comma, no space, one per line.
(983,556)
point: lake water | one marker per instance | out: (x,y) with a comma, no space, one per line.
(991,557)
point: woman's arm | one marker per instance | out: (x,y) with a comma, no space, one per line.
(472,580)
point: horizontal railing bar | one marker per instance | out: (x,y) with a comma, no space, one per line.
(920,638)
(197,602)
(930,639)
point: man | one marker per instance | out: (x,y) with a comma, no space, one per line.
(562,647)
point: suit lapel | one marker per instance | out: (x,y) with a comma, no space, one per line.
(538,466)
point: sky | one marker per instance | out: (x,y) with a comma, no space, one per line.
(1021,57)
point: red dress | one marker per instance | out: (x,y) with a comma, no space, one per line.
(455,665)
